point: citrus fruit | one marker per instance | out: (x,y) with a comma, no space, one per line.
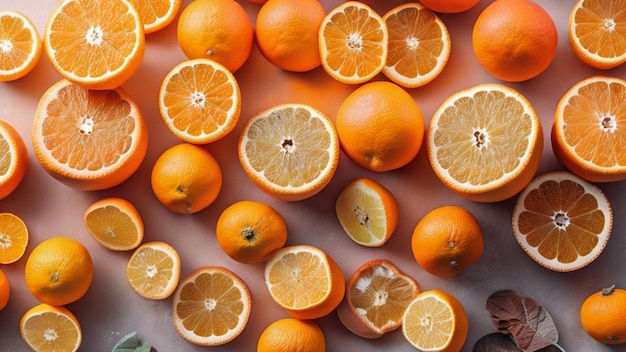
(449,6)
(601,315)
(419,45)
(287,33)
(562,221)
(186,178)
(220,30)
(156,14)
(305,281)
(290,151)
(508,45)
(353,42)
(447,241)
(114,223)
(435,321)
(211,306)
(88,139)
(200,101)
(367,212)
(585,134)
(13,159)
(20,45)
(380,126)
(153,270)
(48,328)
(13,238)
(485,142)
(101,48)
(249,231)
(290,334)
(377,294)
(597,34)
(5,290)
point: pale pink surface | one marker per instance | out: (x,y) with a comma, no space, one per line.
(111,309)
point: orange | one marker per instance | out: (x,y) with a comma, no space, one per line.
(602,315)
(156,14)
(88,139)
(485,142)
(447,241)
(211,306)
(47,328)
(586,136)
(377,294)
(289,151)
(5,290)
(220,30)
(101,48)
(508,45)
(419,45)
(289,335)
(20,45)
(596,32)
(186,178)
(353,43)
(13,159)
(367,212)
(287,33)
(153,270)
(200,101)
(114,223)
(562,221)
(13,238)
(249,231)
(305,281)
(435,321)
(449,6)
(380,126)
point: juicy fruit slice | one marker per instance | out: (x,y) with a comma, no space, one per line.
(200,101)
(353,43)
(485,142)
(585,134)
(367,212)
(305,281)
(290,151)
(20,45)
(562,221)
(114,223)
(101,48)
(211,306)
(88,139)
(156,14)
(435,321)
(153,270)
(47,328)
(377,294)
(289,334)
(419,45)
(13,238)
(13,159)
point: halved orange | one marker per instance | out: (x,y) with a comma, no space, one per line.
(153,270)
(156,14)
(13,238)
(47,328)
(20,45)
(114,223)
(13,159)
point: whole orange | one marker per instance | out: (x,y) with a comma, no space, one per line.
(220,30)
(449,6)
(514,40)
(290,334)
(380,126)
(287,31)
(5,290)
(602,315)
(59,271)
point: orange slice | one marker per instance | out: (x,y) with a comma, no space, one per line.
(562,221)
(47,328)
(13,159)
(485,142)
(419,45)
(153,270)
(211,306)
(200,101)
(156,14)
(305,281)
(353,43)
(290,151)
(377,295)
(90,140)
(20,45)
(586,136)
(102,45)
(114,223)
(13,238)
(597,32)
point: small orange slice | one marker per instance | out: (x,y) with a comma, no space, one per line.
(20,45)
(47,328)
(156,14)
(13,238)
(13,159)
(114,223)
(153,270)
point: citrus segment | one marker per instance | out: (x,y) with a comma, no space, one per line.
(156,14)
(13,238)
(153,270)
(20,45)
(47,328)
(289,334)
(114,223)
(13,159)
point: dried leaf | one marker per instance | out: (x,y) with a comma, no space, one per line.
(495,342)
